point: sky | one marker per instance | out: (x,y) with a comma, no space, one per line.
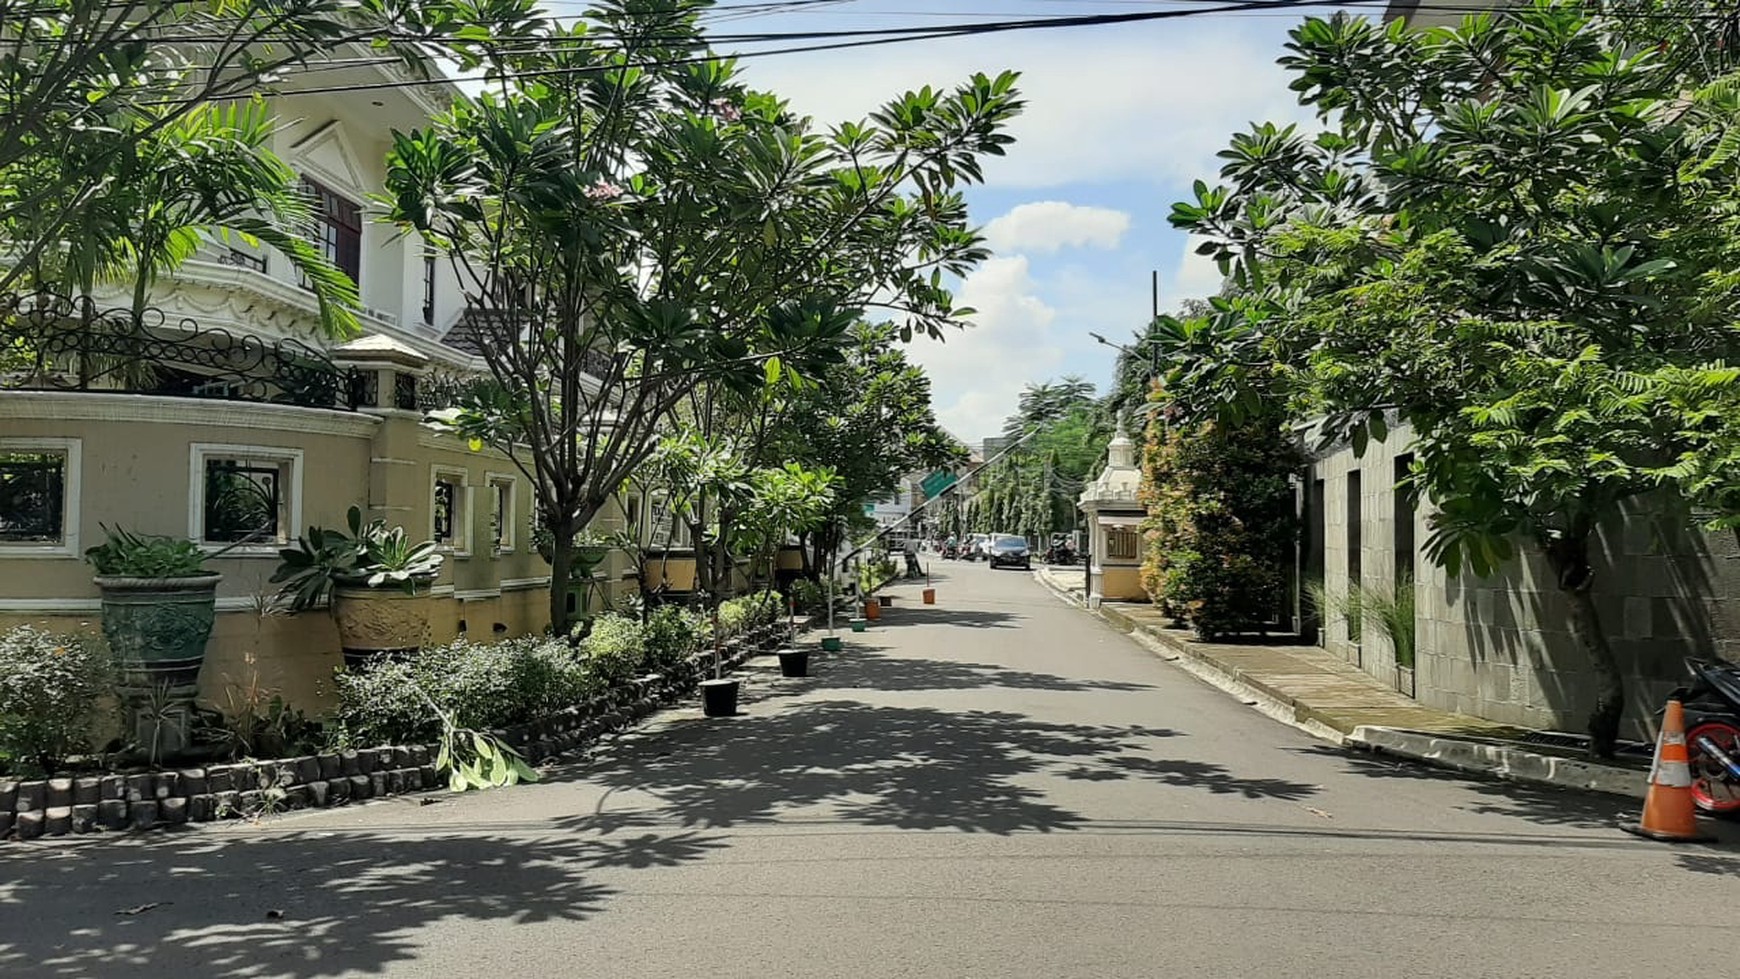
(1120,120)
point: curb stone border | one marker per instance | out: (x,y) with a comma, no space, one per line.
(90,803)
(1501,761)
(1477,757)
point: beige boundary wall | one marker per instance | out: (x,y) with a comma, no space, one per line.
(136,466)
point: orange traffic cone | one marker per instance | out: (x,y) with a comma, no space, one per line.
(1668,811)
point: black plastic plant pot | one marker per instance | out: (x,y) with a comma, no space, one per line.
(719,697)
(794,662)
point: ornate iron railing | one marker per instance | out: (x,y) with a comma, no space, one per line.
(52,342)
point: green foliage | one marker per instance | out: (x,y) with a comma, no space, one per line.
(616,648)
(811,596)
(255,722)
(1032,491)
(121,150)
(130,555)
(664,230)
(740,616)
(476,685)
(1516,237)
(371,554)
(672,635)
(869,421)
(1221,527)
(475,760)
(876,573)
(50,691)
(1393,612)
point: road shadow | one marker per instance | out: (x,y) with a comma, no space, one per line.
(1708,863)
(902,616)
(870,669)
(899,767)
(230,903)
(1540,804)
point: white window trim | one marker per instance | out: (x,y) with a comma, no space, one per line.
(196,456)
(510,513)
(461,546)
(69,504)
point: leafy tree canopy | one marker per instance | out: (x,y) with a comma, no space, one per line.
(1508,238)
(630,221)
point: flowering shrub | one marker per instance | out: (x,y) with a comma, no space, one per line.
(1221,528)
(50,688)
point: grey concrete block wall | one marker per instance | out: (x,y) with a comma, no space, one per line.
(1499,647)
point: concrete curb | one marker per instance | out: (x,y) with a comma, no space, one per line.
(1479,757)
(1500,761)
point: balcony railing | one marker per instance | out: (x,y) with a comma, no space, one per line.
(52,342)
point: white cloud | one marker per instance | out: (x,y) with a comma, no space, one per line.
(1149,102)
(1047,226)
(977,374)
(1197,277)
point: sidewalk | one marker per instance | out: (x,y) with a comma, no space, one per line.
(1320,689)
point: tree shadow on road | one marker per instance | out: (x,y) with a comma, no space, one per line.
(960,618)
(879,670)
(899,767)
(230,903)
(1540,804)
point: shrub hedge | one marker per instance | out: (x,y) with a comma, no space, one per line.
(51,687)
(1221,528)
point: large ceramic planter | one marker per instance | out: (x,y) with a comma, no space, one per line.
(157,628)
(380,621)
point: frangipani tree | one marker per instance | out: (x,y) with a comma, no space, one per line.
(91,91)
(630,221)
(1493,243)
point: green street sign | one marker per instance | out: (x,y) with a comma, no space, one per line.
(936,482)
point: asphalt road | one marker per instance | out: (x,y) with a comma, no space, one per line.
(998,786)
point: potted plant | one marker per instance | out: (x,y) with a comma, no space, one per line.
(380,584)
(718,695)
(159,601)
(794,662)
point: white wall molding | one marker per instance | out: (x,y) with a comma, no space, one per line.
(148,409)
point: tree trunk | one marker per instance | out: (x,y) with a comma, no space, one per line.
(561,570)
(1569,558)
(724,568)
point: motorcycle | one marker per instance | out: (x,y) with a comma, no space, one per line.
(1712,709)
(950,552)
(1060,554)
